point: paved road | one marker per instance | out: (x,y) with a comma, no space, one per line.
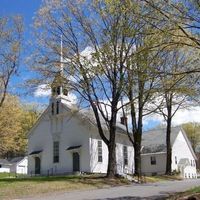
(132,192)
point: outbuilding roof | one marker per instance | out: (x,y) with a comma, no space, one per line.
(4,162)
(16,160)
(155,141)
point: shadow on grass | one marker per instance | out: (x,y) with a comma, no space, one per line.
(97,181)
(137,198)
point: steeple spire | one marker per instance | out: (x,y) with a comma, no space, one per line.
(61,54)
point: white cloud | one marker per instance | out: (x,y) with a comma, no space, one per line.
(187,115)
(87,52)
(45,91)
(42,91)
(182,116)
(72,98)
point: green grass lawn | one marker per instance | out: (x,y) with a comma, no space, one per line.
(12,187)
(6,175)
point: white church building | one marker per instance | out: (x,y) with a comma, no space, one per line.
(66,140)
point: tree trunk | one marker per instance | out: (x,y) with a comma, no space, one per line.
(137,145)
(169,149)
(137,159)
(111,171)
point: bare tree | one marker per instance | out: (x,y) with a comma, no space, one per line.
(11,30)
(175,92)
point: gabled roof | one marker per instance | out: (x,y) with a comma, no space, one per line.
(16,160)
(84,114)
(155,141)
(4,162)
(38,120)
(88,115)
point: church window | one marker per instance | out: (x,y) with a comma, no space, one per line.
(52,108)
(56,152)
(57,107)
(58,90)
(175,160)
(100,156)
(125,155)
(153,160)
(65,91)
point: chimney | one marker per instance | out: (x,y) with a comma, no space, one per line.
(124,120)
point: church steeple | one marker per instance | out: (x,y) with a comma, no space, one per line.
(59,89)
(61,54)
(58,86)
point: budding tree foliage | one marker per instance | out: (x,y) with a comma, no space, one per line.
(11,30)
(179,20)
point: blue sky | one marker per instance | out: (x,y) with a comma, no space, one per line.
(27,9)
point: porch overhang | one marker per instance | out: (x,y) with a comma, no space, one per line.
(35,153)
(72,148)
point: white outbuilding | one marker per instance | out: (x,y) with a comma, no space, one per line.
(4,166)
(153,158)
(19,165)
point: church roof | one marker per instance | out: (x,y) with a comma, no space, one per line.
(88,114)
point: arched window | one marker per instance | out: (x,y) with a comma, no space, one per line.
(57,107)
(58,90)
(65,91)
